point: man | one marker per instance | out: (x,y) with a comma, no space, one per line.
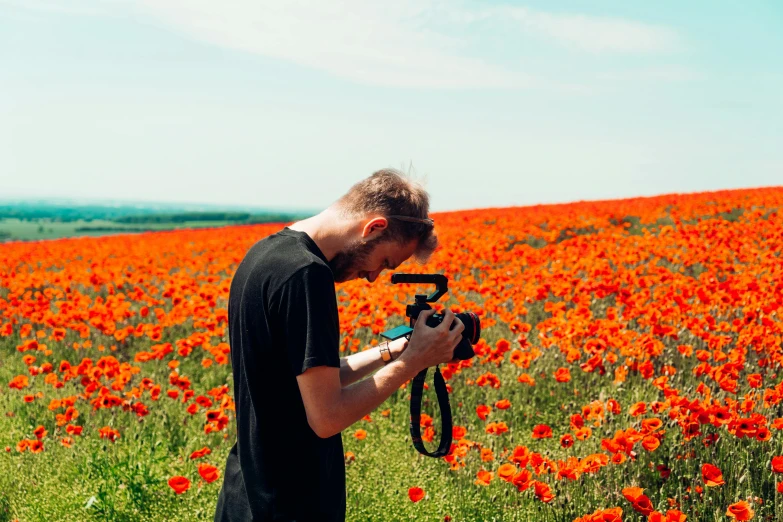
(293,393)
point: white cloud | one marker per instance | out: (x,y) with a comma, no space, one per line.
(379,43)
(598,34)
(399,43)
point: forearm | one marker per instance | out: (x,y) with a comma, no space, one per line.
(360,398)
(358,365)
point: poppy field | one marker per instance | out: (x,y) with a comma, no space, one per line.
(629,369)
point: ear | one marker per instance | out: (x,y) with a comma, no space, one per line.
(374,227)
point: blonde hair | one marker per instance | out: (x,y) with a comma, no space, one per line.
(390,192)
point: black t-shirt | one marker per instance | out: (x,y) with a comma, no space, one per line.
(283,319)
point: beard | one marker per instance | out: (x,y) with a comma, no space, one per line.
(345,262)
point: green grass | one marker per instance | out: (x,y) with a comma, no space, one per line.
(47,229)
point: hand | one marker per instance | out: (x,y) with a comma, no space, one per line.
(432,346)
(397,346)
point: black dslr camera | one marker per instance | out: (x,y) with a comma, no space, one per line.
(464,350)
(470,335)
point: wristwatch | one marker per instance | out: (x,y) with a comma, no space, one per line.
(386,353)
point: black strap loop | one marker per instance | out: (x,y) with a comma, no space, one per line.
(417,390)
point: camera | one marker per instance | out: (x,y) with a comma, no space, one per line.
(463,351)
(470,335)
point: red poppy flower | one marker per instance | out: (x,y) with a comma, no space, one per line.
(208,472)
(542,431)
(712,475)
(415,494)
(740,511)
(179,484)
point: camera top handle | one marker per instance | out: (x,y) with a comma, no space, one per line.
(440,280)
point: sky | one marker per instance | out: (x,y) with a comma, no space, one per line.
(286,104)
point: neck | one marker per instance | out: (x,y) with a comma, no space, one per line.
(328,230)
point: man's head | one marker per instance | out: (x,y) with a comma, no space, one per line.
(390,216)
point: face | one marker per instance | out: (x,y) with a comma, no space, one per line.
(367,259)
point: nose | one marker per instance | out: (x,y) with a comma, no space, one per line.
(372,276)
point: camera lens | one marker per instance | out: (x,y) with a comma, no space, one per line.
(472,331)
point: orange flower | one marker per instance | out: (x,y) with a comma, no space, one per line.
(740,511)
(40,432)
(522,480)
(486,455)
(496,428)
(637,409)
(712,475)
(618,458)
(360,434)
(483,478)
(583,433)
(650,425)
(638,500)
(415,494)
(507,472)
(503,404)
(200,453)
(777,464)
(19,382)
(613,406)
(482,410)
(543,491)
(526,379)
(562,375)
(672,515)
(109,433)
(71,429)
(651,443)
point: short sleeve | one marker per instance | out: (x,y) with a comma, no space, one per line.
(307,310)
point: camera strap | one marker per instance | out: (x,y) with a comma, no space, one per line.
(417,390)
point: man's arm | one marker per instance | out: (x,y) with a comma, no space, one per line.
(331,408)
(358,365)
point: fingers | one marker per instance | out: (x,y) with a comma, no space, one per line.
(424,314)
(448,318)
(460,326)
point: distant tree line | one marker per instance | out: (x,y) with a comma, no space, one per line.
(234,217)
(114,229)
(132,215)
(64,215)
